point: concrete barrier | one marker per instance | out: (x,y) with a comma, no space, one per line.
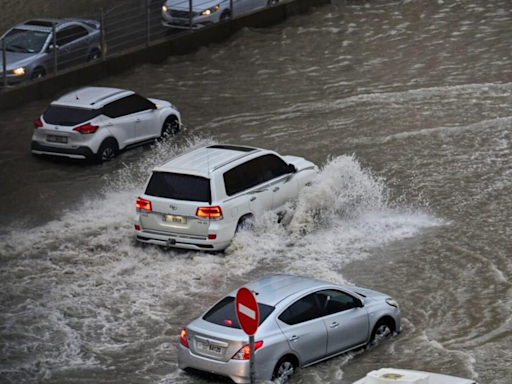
(156,53)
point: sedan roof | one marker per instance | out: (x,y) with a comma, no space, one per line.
(273,289)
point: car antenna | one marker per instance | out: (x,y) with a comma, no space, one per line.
(76,94)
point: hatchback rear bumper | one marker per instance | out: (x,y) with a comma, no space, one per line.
(236,370)
(72,153)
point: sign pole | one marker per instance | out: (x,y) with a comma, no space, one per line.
(251,360)
(248,315)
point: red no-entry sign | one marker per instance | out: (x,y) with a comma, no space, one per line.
(247,311)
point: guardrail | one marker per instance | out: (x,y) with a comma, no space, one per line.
(47,47)
(123,36)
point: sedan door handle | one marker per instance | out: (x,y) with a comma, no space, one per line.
(109,125)
(294,338)
(138,121)
(335,325)
(275,189)
(253,198)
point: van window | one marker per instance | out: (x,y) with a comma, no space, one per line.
(223,313)
(179,187)
(243,177)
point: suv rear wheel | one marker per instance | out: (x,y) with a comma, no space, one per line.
(108,150)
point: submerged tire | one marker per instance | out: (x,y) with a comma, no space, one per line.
(284,369)
(382,330)
(171,126)
(108,150)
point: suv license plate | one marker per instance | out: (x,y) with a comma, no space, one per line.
(57,139)
(209,348)
(175,219)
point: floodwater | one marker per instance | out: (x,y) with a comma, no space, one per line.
(406,106)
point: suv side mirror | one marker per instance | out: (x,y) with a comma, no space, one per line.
(290,168)
(360,304)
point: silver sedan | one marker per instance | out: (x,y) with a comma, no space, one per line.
(302,321)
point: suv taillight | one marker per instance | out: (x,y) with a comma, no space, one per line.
(38,123)
(183,338)
(244,352)
(209,212)
(86,129)
(143,204)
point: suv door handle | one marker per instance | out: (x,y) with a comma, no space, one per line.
(275,189)
(294,338)
(335,325)
(138,121)
(253,198)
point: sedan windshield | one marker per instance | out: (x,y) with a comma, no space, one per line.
(20,40)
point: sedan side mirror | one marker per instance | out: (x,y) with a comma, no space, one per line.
(359,304)
(52,48)
(291,168)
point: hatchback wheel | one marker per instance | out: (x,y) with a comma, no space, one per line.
(171,126)
(284,370)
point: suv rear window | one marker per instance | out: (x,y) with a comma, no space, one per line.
(69,116)
(178,186)
(223,313)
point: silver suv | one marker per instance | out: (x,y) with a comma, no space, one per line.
(302,321)
(30,47)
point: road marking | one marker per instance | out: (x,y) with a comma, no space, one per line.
(246,311)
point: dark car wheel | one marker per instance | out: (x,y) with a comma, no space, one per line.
(108,150)
(284,370)
(225,15)
(94,55)
(171,126)
(38,73)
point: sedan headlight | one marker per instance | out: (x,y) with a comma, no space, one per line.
(392,302)
(164,8)
(19,71)
(209,11)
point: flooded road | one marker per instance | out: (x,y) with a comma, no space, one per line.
(406,106)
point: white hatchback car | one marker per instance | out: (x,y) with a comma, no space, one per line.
(199,199)
(97,123)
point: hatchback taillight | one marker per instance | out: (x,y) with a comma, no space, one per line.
(86,129)
(38,123)
(183,338)
(143,204)
(209,212)
(245,351)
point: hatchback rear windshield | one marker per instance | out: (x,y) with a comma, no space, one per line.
(223,313)
(178,186)
(69,116)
